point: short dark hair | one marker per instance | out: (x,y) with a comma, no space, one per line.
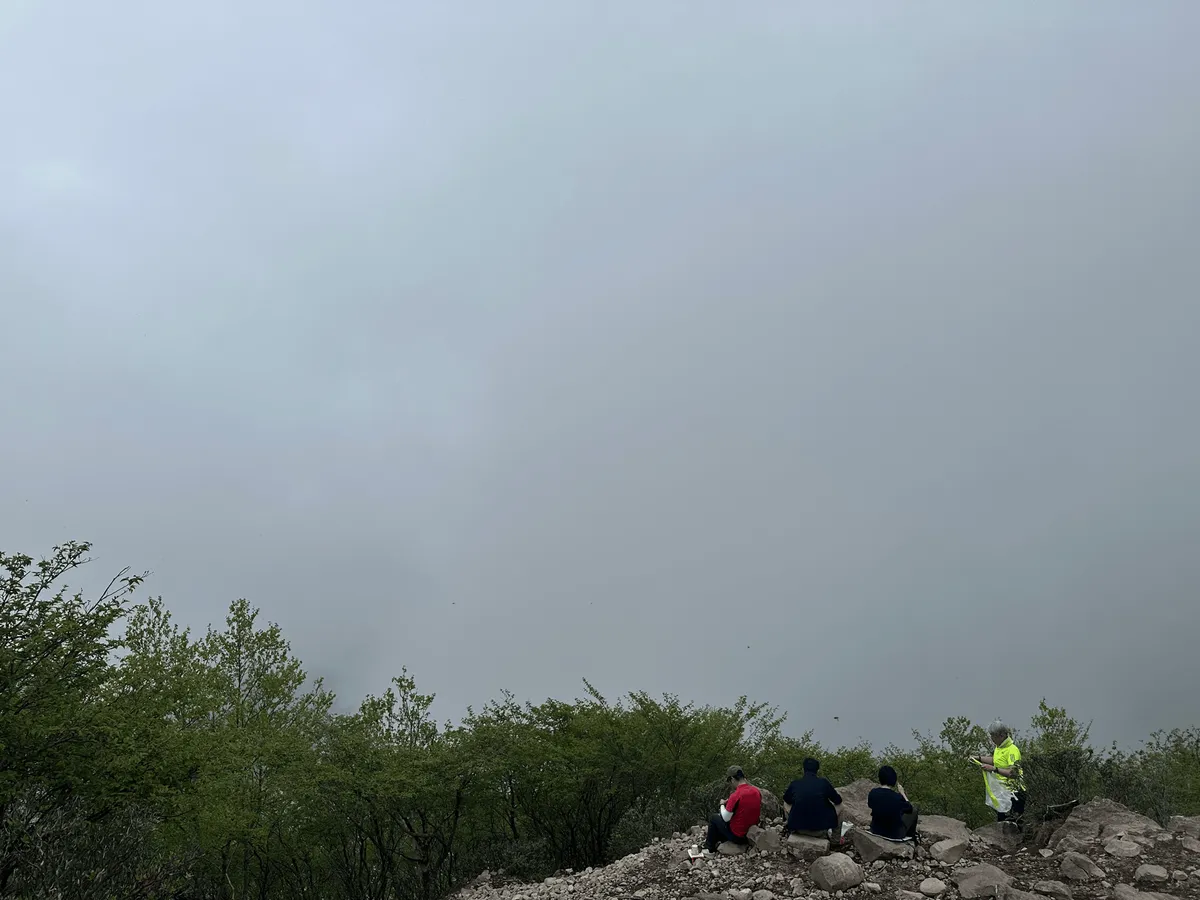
(887,776)
(811,765)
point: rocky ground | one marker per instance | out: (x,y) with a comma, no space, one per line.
(1101,851)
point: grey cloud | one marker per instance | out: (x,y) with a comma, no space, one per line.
(520,343)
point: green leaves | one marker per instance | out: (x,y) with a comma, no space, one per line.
(139,760)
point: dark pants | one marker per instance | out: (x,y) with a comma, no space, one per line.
(718,833)
(1018,810)
(909,821)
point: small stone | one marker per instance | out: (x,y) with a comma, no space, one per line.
(1151,873)
(1124,849)
(836,872)
(1078,867)
(949,851)
(932,887)
(728,848)
(1053,889)
(872,887)
(763,895)
(1046,853)
(982,880)
(1179,875)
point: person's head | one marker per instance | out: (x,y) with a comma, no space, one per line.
(999,732)
(734,775)
(887,776)
(811,766)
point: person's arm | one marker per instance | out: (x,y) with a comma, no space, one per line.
(789,796)
(728,807)
(831,794)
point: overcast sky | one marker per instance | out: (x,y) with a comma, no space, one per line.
(842,355)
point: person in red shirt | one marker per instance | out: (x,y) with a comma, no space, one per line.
(741,810)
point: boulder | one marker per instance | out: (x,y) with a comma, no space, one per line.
(1189,825)
(949,851)
(942,828)
(802,845)
(771,807)
(983,880)
(1191,844)
(1126,892)
(1087,822)
(836,872)
(1053,889)
(1122,848)
(1072,844)
(871,847)
(854,802)
(1078,867)
(932,887)
(767,840)
(1152,874)
(762,895)
(729,848)
(1002,836)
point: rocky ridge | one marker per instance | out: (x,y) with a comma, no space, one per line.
(1103,851)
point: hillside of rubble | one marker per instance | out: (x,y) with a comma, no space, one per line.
(1101,851)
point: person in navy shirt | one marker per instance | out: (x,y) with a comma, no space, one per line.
(813,804)
(892,813)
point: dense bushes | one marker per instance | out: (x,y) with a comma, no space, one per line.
(168,765)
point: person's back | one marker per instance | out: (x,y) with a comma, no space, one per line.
(892,815)
(813,802)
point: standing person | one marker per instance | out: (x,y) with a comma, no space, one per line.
(813,806)
(892,813)
(1004,765)
(741,810)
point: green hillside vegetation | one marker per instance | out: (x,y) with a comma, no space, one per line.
(139,760)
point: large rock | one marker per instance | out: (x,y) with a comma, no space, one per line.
(771,807)
(1189,825)
(1191,844)
(1053,889)
(854,802)
(1126,892)
(942,828)
(836,872)
(983,880)
(949,851)
(1122,848)
(1151,874)
(729,848)
(1078,867)
(1103,818)
(932,887)
(872,847)
(803,845)
(1002,836)
(765,839)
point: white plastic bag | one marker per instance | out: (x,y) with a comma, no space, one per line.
(998,795)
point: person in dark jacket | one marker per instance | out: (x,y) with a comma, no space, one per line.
(813,806)
(892,813)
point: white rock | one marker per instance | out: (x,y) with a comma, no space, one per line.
(932,887)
